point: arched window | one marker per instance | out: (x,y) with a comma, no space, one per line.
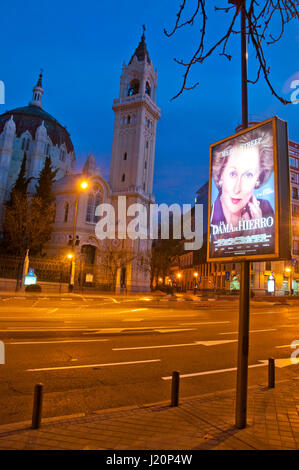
(66,211)
(62,155)
(93,201)
(89,252)
(123,177)
(133,88)
(90,204)
(47,149)
(97,202)
(128,119)
(25,143)
(147,89)
(125,155)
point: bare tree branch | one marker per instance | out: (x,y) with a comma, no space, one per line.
(262,17)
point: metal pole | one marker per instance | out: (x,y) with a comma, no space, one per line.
(243,343)
(271,373)
(175,388)
(73,263)
(37,406)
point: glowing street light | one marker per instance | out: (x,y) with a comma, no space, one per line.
(83,185)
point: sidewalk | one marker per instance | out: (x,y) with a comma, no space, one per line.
(205,422)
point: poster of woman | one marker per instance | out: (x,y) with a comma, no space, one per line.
(242,212)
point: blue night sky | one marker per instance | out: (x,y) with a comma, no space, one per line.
(81,47)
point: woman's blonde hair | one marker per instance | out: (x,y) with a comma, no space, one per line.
(265,147)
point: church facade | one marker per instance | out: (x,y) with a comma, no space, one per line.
(33,131)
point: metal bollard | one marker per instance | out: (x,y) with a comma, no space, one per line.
(175,388)
(37,406)
(271,373)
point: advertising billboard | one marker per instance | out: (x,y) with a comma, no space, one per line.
(249,195)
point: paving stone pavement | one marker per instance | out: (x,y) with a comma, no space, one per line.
(205,422)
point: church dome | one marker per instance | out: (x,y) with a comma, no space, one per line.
(29,118)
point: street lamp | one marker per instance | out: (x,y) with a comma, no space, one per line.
(195,281)
(179,275)
(83,185)
(288,271)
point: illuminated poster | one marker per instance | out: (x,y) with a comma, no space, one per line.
(243,195)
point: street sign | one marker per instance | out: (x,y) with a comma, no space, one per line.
(29,280)
(30,271)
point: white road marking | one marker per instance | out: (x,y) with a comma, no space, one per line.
(205,323)
(45,329)
(251,331)
(283,346)
(288,361)
(138,309)
(93,365)
(173,330)
(219,371)
(62,341)
(195,343)
(53,310)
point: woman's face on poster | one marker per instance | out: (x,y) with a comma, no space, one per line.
(239,178)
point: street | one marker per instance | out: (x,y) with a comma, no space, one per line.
(100,352)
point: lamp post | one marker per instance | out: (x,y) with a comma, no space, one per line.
(195,282)
(288,271)
(72,256)
(179,275)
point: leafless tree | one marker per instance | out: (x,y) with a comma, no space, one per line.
(265,25)
(113,257)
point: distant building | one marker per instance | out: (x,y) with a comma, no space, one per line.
(33,131)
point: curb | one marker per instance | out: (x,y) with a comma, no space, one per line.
(26,425)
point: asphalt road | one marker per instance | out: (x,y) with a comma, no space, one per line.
(95,353)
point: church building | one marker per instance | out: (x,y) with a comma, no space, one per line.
(33,131)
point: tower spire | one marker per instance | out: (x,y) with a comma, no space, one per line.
(141,51)
(38,92)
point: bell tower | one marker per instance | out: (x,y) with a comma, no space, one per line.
(134,137)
